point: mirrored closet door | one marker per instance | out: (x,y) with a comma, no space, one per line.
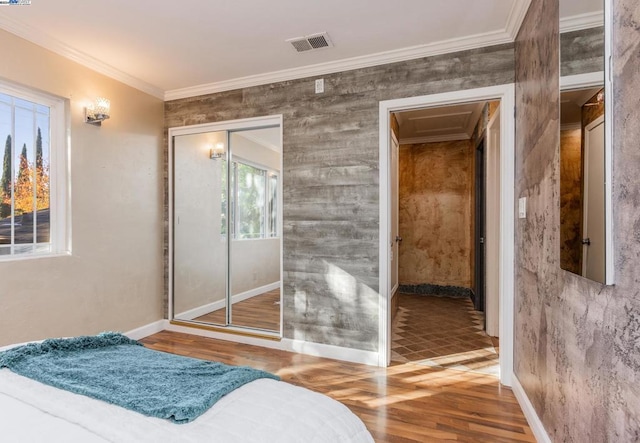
(226,248)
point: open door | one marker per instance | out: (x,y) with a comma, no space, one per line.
(593,231)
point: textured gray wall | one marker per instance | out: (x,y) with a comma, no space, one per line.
(576,344)
(330,179)
(582,51)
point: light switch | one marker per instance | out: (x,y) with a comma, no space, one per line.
(522,207)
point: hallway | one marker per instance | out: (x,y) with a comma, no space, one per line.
(442,332)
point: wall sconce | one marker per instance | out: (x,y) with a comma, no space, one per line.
(96,112)
(217,151)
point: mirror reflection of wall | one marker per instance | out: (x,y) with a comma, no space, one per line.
(226,223)
(582,196)
(200,265)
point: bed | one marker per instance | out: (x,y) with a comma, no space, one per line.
(263,410)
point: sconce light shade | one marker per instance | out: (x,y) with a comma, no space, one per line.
(217,151)
(97,112)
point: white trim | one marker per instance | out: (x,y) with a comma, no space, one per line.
(210,307)
(516,17)
(505,93)
(608,144)
(147,330)
(582,21)
(580,81)
(506,35)
(329,351)
(297,346)
(529,411)
(59,168)
(44,40)
(435,139)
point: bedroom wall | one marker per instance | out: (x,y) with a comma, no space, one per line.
(113,279)
(436,181)
(576,344)
(330,179)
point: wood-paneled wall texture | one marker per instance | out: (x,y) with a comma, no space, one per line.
(330,179)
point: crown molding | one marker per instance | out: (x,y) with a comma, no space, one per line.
(582,21)
(42,39)
(434,139)
(366,61)
(571,126)
(518,12)
(514,21)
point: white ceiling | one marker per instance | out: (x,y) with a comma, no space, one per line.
(439,124)
(571,103)
(178,46)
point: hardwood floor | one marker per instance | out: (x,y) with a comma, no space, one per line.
(403,403)
(261,312)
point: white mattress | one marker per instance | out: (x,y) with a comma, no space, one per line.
(264,411)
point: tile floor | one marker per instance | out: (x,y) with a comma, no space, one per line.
(442,332)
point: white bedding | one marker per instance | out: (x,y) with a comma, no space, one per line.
(264,410)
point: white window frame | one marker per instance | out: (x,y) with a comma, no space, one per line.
(268,173)
(59,188)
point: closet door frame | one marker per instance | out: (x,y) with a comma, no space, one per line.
(229,126)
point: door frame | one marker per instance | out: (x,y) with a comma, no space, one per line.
(228,125)
(506,94)
(395,287)
(479,227)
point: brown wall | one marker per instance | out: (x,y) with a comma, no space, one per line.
(571,200)
(436,180)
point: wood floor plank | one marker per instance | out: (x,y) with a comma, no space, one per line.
(409,401)
(402,403)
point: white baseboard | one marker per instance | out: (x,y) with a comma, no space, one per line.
(147,330)
(330,351)
(298,346)
(529,411)
(211,307)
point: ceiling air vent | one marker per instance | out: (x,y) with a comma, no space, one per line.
(310,42)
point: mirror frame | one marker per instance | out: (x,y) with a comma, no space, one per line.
(594,79)
(228,125)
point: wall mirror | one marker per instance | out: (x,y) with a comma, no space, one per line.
(226,219)
(585,153)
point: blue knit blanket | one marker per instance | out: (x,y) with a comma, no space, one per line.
(118,370)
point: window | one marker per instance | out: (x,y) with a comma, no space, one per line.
(254,206)
(32,173)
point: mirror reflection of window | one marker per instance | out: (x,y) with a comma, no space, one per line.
(582,227)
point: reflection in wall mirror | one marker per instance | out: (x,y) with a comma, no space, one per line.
(585,155)
(226,221)
(582,204)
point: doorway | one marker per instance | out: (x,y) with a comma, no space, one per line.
(438,313)
(504,94)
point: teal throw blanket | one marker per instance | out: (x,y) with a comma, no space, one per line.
(118,370)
